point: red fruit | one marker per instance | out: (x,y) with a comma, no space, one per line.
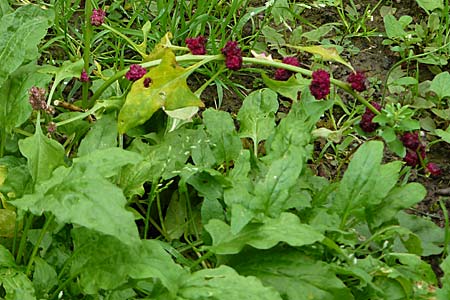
(357,81)
(233,55)
(366,123)
(84,76)
(135,72)
(320,84)
(196,45)
(283,74)
(411,158)
(411,140)
(433,169)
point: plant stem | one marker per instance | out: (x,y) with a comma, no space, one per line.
(150,201)
(54,295)
(447,228)
(48,221)
(127,39)
(23,239)
(87,48)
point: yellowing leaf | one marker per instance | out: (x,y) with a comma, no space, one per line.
(329,53)
(167,89)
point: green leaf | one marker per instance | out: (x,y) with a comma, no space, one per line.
(224,283)
(44,276)
(20,33)
(107,162)
(398,199)
(394,28)
(295,275)
(444,292)
(289,88)
(15,108)
(67,70)
(81,196)
(168,89)
(224,140)
(441,85)
(257,115)
(16,285)
(444,135)
(102,262)
(7,222)
(286,228)
(326,53)
(102,135)
(430,5)
(6,258)
(43,155)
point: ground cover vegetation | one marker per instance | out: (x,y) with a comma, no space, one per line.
(224,149)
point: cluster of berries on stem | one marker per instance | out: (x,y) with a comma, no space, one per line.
(136,72)
(98,17)
(416,154)
(366,123)
(283,74)
(196,45)
(233,55)
(37,100)
(320,84)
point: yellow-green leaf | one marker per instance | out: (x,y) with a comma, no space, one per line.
(167,89)
(329,53)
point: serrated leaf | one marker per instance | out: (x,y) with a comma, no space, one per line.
(168,89)
(103,262)
(81,196)
(224,283)
(101,136)
(224,140)
(257,115)
(43,155)
(441,85)
(15,108)
(295,275)
(286,228)
(326,53)
(20,33)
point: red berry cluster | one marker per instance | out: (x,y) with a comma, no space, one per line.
(196,45)
(98,17)
(136,72)
(357,81)
(416,147)
(283,74)
(233,55)
(320,85)
(366,123)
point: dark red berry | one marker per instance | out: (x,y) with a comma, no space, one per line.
(283,74)
(147,82)
(233,55)
(433,169)
(37,98)
(411,158)
(366,123)
(136,72)
(357,81)
(411,140)
(196,45)
(98,17)
(320,84)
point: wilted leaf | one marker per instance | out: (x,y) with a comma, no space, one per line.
(167,88)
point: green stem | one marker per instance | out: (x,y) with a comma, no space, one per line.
(82,115)
(201,259)
(2,142)
(378,233)
(87,48)
(150,201)
(48,221)
(23,239)
(332,245)
(447,228)
(203,59)
(54,295)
